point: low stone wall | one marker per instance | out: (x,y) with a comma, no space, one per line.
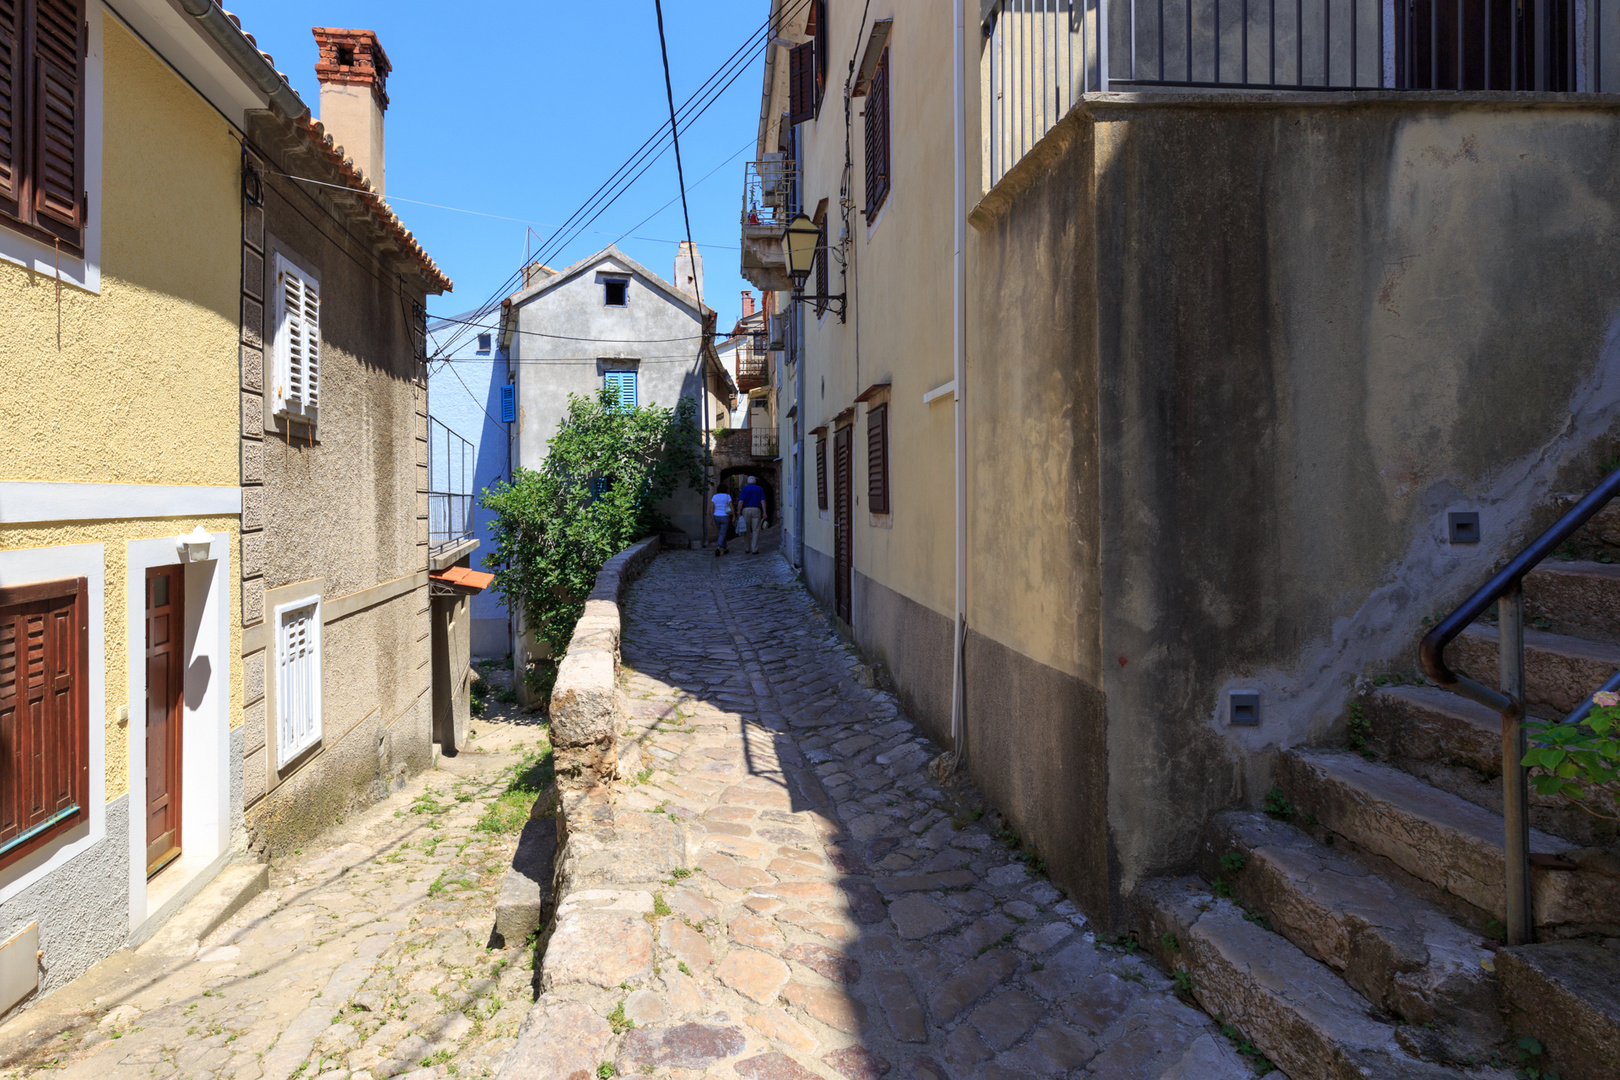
(586,716)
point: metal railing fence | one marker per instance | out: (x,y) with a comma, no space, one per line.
(1044,55)
(450,483)
(768,201)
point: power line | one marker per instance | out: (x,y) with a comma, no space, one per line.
(570,337)
(680,174)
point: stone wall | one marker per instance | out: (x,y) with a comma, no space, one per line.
(586,715)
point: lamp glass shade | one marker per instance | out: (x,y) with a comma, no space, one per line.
(801,239)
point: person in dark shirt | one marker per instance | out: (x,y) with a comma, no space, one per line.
(752,499)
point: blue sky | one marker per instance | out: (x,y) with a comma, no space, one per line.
(522,109)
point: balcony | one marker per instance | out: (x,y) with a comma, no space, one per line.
(450,484)
(768,203)
(751,370)
(1042,56)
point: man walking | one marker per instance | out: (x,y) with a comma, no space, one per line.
(753,511)
(722,518)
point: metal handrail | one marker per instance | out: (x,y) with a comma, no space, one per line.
(1505,589)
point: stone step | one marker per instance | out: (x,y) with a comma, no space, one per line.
(1581,599)
(1295,1010)
(1456,745)
(1445,840)
(1560,671)
(1398,952)
(1566,994)
(1426,723)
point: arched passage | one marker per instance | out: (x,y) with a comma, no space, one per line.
(766,481)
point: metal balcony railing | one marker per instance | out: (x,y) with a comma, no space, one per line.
(1043,55)
(768,200)
(450,483)
(750,366)
(764,442)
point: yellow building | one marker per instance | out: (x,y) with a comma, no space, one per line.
(127,339)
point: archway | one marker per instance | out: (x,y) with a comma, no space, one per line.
(761,473)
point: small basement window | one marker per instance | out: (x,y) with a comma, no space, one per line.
(616,293)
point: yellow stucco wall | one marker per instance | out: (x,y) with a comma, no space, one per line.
(143,389)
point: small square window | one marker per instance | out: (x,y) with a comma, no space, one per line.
(616,293)
(483,343)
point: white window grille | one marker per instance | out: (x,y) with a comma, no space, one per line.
(298,678)
(297,384)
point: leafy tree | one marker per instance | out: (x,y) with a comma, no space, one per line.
(606,470)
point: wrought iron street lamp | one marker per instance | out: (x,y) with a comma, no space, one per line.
(802,243)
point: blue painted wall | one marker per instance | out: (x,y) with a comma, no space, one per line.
(464,394)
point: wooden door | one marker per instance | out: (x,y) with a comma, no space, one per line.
(843,523)
(165,697)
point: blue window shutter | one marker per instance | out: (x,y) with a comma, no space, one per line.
(623,384)
(508,405)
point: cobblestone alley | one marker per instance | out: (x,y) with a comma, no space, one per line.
(840,916)
(845,917)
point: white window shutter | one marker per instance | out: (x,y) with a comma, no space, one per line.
(298,678)
(298,342)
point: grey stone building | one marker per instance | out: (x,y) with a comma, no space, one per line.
(336,558)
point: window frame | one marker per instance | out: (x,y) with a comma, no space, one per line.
(287,754)
(609,283)
(46,832)
(281,347)
(484,343)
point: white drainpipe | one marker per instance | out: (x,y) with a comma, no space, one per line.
(959,368)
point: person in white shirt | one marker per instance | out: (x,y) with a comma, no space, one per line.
(722,519)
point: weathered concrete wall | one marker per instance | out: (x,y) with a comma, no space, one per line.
(1255,350)
(340,514)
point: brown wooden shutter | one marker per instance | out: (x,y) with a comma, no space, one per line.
(818,13)
(11,95)
(877,138)
(44,725)
(877,459)
(801,83)
(821,472)
(823,275)
(58,113)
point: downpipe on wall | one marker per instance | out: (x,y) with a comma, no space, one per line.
(959,372)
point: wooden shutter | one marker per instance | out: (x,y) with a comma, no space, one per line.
(508,404)
(11,97)
(623,385)
(821,472)
(298,682)
(823,275)
(802,83)
(823,52)
(298,342)
(44,713)
(877,138)
(58,112)
(877,459)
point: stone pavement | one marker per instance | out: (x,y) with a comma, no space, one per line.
(366,958)
(785,892)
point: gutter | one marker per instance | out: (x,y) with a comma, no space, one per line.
(228,36)
(959,372)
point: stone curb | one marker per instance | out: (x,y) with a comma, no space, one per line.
(585,711)
(586,717)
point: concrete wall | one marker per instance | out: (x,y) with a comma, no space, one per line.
(342,518)
(1276,342)
(566,338)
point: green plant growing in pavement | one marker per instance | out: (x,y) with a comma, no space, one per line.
(1358,730)
(1530,1061)
(619,1022)
(1233,861)
(606,470)
(532,777)
(606,1071)
(1278,806)
(1184,980)
(1579,761)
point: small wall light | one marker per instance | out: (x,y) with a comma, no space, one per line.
(195,546)
(1463,526)
(1245,708)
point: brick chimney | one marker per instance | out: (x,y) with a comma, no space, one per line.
(747,303)
(353,72)
(689,270)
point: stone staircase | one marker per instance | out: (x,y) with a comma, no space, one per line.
(1352,931)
